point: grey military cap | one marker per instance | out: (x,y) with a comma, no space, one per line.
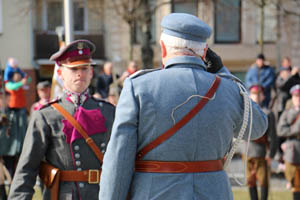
(185,26)
(43,84)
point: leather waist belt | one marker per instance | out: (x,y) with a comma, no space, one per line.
(91,176)
(178,167)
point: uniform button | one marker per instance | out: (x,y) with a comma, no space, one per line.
(81,185)
(78,163)
(103,151)
(77,155)
(76,147)
(79,169)
(103,144)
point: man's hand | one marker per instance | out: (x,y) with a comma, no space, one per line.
(213,61)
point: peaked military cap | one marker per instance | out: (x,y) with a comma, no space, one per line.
(75,54)
(256,88)
(185,26)
(295,89)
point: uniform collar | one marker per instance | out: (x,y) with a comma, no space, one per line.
(76,98)
(192,61)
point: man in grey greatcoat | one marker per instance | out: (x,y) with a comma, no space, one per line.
(289,128)
(53,139)
(186,162)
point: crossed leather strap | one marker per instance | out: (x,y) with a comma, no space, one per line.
(179,166)
(52,176)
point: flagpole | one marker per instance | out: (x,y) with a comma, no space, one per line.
(68,8)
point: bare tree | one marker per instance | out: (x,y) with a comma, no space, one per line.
(138,15)
(282,11)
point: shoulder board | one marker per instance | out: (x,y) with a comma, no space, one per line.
(101,102)
(142,72)
(51,102)
(231,77)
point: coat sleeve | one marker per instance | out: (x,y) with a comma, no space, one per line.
(119,159)
(251,77)
(270,79)
(272,136)
(33,152)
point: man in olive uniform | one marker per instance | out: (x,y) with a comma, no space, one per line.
(261,150)
(289,128)
(73,155)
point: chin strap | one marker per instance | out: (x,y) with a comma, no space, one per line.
(247,120)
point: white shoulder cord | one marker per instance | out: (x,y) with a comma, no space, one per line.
(187,100)
(248,114)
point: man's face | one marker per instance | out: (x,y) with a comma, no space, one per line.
(259,62)
(76,79)
(132,66)
(296,100)
(108,68)
(44,93)
(286,63)
(17,77)
(257,97)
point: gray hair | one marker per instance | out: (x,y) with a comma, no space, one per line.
(178,45)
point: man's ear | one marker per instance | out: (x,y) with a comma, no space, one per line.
(163,49)
(59,72)
(92,71)
(204,53)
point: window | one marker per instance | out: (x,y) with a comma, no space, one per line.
(78,14)
(228,21)
(270,23)
(185,6)
(55,14)
(1,15)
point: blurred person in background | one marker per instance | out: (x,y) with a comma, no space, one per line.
(131,69)
(288,128)
(261,74)
(104,80)
(261,151)
(43,91)
(17,115)
(12,66)
(288,77)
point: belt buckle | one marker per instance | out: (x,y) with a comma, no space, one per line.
(91,172)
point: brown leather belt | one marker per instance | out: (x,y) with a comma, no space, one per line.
(91,176)
(178,167)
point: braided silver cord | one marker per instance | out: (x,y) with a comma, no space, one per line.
(248,115)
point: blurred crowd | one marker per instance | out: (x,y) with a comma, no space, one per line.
(277,91)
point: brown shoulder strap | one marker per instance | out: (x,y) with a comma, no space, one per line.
(166,135)
(79,128)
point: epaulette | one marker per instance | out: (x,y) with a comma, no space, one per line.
(101,102)
(230,76)
(142,72)
(49,103)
